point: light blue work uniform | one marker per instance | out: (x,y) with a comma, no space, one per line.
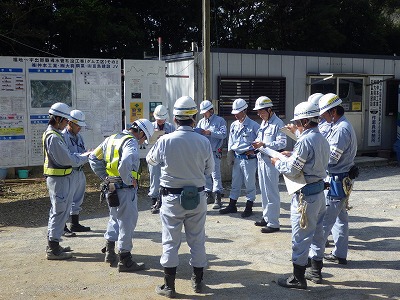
(268,176)
(76,145)
(343,149)
(123,219)
(155,171)
(217,126)
(241,137)
(61,188)
(187,160)
(324,127)
(310,156)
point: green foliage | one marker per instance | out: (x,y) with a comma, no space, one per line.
(128,28)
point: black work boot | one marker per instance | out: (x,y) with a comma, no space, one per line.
(55,252)
(295,281)
(248,211)
(314,274)
(196,279)
(168,288)
(109,250)
(126,264)
(210,197)
(75,226)
(67,232)
(231,208)
(217,202)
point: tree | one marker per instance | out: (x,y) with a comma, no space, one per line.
(24,27)
(127,29)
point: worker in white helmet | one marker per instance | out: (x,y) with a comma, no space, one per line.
(323,126)
(241,135)
(309,157)
(213,127)
(186,159)
(160,124)
(269,136)
(343,149)
(76,144)
(116,161)
(58,167)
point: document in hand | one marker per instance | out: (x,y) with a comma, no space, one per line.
(289,133)
(156,135)
(293,184)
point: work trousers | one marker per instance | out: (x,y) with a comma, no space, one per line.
(123,219)
(60,192)
(173,218)
(244,171)
(312,234)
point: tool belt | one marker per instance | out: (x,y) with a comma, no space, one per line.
(312,188)
(118,183)
(110,194)
(245,156)
(176,191)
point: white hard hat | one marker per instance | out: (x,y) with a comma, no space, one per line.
(77,117)
(184,108)
(205,106)
(263,102)
(146,126)
(60,109)
(306,110)
(160,113)
(328,101)
(238,105)
(314,98)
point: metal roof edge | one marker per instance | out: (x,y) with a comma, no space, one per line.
(302,53)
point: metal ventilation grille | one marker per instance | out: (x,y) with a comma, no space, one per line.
(250,88)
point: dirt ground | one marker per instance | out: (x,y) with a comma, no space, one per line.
(243,262)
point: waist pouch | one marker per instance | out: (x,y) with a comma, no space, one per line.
(189,197)
(313,188)
(336,190)
(112,199)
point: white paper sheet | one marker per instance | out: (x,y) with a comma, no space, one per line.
(155,136)
(293,184)
(289,133)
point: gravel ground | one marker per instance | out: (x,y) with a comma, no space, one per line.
(243,263)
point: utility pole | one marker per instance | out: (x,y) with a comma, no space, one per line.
(206,50)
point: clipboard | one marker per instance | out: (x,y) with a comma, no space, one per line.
(289,133)
(156,135)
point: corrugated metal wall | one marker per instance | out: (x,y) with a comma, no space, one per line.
(293,66)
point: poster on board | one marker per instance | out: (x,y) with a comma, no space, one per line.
(145,86)
(30,85)
(49,80)
(98,95)
(13,113)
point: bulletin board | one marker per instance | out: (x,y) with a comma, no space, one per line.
(30,85)
(145,88)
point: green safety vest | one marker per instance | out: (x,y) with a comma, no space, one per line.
(49,167)
(113,154)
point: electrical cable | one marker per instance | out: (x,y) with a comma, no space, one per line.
(29,46)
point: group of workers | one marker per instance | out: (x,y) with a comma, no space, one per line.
(323,155)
